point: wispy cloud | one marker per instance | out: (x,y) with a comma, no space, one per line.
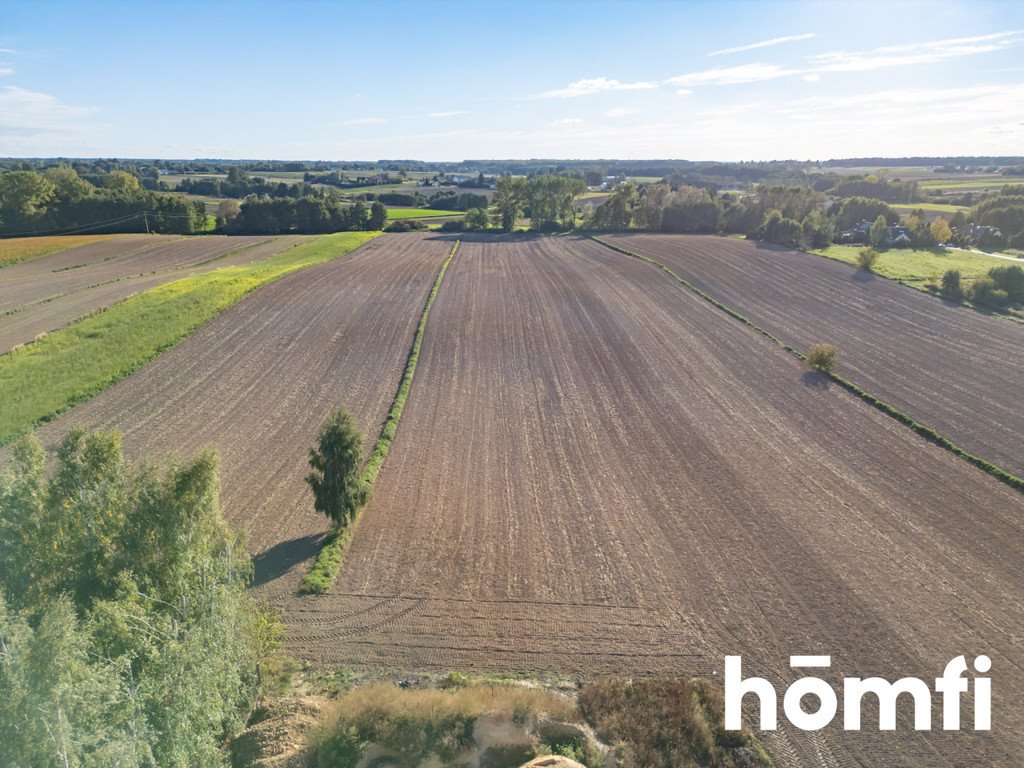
(365,121)
(886,57)
(24,110)
(683,91)
(593,85)
(762,44)
(744,73)
(567,121)
(453,113)
(913,53)
(8,51)
(6,69)
(619,112)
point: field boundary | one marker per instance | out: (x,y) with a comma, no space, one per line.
(320,577)
(191,302)
(924,431)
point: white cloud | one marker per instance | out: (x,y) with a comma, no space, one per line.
(762,44)
(6,69)
(744,73)
(453,113)
(683,91)
(567,121)
(8,51)
(365,121)
(619,112)
(593,85)
(32,122)
(913,53)
(813,77)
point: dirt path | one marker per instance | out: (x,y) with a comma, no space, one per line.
(599,472)
(949,367)
(257,381)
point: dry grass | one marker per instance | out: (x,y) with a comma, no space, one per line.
(416,723)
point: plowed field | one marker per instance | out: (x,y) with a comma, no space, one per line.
(949,367)
(23,324)
(257,381)
(599,472)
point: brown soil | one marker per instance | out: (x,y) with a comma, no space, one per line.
(23,325)
(598,472)
(257,381)
(72,271)
(952,368)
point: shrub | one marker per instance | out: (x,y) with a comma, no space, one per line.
(866,258)
(822,357)
(453,225)
(663,723)
(1009,279)
(951,285)
(417,722)
(405,225)
(985,291)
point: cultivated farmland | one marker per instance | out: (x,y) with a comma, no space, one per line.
(21,325)
(598,471)
(257,381)
(949,367)
(71,271)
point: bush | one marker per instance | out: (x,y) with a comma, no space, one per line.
(453,225)
(951,285)
(822,357)
(664,723)
(985,291)
(405,225)
(1011,280)
(866,258)
(418,722)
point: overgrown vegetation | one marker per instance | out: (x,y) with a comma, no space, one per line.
(127,637)
(68,366)
(822,357)
(420,722)
(668,723)
(321,575)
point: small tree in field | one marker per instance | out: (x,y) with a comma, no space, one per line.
(866,258)
(338,491)
(951,285)
(822,357)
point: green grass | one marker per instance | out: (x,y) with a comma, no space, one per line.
(983,182)
(940,207)
(420,213)
(321,575)
(41,380)
(924,431)
(918,267)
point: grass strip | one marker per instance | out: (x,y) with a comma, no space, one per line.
(47,377)
(19,249)
(924,431)
(320,577)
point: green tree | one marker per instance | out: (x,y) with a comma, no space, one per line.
(822,357)
(338,491)
(951,285)
(378,215)
(67,184)
(940,230)
(23,195)
(866,258)
(476,218)
(878,235)
(617,211)
(121,181)
(509,198)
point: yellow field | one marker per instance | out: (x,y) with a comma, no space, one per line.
(25,248)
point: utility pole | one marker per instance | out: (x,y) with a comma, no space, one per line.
(145,218)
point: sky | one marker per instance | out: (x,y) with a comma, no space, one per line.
(448,81)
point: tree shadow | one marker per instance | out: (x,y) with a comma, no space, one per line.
(275,562)
(815,380)
(863,276)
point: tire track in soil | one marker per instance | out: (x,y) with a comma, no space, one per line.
(680,465)
(257,381)
(954,369)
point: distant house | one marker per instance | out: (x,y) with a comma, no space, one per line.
(856,234)
(899,237)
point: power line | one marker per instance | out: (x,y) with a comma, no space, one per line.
(96,225)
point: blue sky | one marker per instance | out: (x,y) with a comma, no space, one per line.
(451,80)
